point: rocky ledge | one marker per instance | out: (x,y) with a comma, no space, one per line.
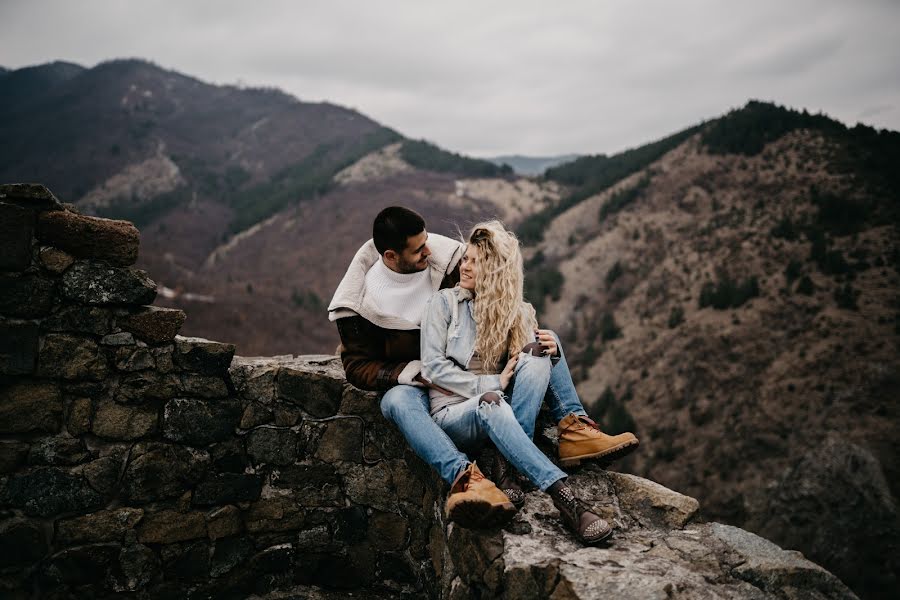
(660,550)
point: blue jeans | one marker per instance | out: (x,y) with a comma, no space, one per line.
(408,407)
(530,387)
(471,422)
(561,396)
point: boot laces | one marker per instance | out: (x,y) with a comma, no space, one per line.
(587,423)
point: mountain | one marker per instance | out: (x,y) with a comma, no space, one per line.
(731,293)
(250,202)
(531,165)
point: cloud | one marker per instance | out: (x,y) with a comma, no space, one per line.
(500,77)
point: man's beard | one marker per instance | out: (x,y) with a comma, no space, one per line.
(406,268)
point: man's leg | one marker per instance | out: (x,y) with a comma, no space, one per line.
(407,407)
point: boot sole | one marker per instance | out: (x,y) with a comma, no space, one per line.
(478,514)
(606,457)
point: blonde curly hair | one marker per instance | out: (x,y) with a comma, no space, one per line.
(503,319)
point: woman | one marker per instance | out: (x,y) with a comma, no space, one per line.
(468,332)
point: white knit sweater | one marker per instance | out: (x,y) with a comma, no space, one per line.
(401,295)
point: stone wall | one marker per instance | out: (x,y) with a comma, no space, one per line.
(137,462)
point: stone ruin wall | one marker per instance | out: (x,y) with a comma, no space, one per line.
(137,462)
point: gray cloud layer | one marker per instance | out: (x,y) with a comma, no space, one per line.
(501,77)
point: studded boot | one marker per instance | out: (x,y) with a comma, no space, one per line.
(587,526)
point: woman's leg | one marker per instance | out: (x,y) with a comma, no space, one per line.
(497,418)
(466,424)
(474,501)
(561,396)
(529,386)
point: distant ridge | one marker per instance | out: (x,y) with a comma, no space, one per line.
(531,165)
(28,83)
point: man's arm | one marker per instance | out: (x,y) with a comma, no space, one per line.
(362,354)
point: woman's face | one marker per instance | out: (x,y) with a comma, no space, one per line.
(468,268)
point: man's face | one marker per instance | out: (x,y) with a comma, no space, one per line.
(414,257)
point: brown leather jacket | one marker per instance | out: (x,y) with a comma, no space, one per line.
(374,357)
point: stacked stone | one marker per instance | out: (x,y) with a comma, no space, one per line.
(131,463)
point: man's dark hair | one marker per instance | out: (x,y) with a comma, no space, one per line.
(393,226)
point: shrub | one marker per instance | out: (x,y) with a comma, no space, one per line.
(609,330)
(611,414)
(846,297)
(838,215)
(540,283)
(614,273)
(805,286)
(785,230)
(308,299)
(726,293)
(623,198)
(792,271)
(676,317)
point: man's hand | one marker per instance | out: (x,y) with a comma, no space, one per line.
(545,338)
(421,380)
(508,371)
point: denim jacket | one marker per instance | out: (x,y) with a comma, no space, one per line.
(448,343)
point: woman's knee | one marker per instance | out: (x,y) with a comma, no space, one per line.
(534,349)
(495,405)
(490,398)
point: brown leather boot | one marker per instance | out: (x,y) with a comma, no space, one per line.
(580,438)
(587,526)
(506,478)
(476,503)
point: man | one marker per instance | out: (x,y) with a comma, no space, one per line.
(378,310)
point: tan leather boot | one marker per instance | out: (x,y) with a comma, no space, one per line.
(580,438)
(476,503)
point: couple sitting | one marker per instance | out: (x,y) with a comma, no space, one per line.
(442,328)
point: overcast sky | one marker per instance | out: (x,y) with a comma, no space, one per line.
(488,77)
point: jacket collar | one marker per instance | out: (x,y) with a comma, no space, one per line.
(350,298)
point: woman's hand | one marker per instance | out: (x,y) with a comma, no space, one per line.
(545,338)
(508,371)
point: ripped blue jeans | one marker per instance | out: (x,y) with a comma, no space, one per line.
(471,422)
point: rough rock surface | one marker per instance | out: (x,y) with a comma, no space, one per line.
(153,324)
(26,296)
(115,242)
(29,195)
(30,406)
(18,348)
(657,551)
(16,227)
(97,283)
